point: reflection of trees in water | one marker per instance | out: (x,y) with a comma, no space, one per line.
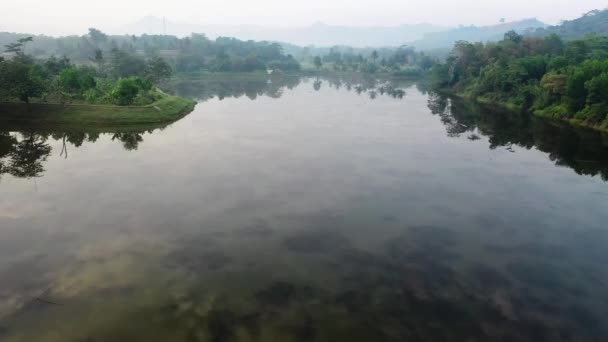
(23,157)
(22,154)
(233,87)
(130,141)
(585,151)
(274,87)
(370,86)
(7,143)
(316,85)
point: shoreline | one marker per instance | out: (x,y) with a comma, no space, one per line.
(602,127)
(301,73)
(166,110)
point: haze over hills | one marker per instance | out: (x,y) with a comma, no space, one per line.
(446,39)
(422,36)
(318,34)
(591,22)
(434,39)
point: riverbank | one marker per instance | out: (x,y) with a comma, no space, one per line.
(167,109)
(603,127)
(255,75)
(546,114)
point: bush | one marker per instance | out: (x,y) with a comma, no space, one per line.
(125,92)
(76,81)
(92,96)
(286,64)
(143,84)
(369,68)
(409,72)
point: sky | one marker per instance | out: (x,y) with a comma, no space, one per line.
(75,16)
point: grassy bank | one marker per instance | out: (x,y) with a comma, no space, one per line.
(546,114)
(554,113)
(166,110)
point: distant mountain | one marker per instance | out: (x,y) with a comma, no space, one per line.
(594,22)
(318,34)
(446,39)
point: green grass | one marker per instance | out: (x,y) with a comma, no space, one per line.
(166,110)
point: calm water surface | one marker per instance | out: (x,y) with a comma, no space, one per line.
(307,210)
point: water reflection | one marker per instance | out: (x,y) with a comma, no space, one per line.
(229,87)
(274,86)
(23,154)
(583,150)
(354,218)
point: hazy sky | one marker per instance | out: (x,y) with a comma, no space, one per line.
(75,16)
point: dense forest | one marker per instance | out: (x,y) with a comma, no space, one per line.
(545,75)
(402,61)
(189,54)
(118,78)
(591,22)
(196,53)
(538,70)
(446,39)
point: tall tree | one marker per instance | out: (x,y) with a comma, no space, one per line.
(318,63)
(158,70)
(97,36)
(21,80)
(18,48)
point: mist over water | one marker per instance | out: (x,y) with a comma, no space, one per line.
(306,209)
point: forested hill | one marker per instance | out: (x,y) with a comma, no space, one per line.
(446,39)
(594,22)
(318,34)
(545,75)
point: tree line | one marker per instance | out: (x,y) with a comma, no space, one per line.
(401,61)
(189,54)
(595,21)
(545,75)
(117,77)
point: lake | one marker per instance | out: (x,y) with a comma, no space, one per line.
(305,209)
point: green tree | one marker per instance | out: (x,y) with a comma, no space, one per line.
(514,37)
(18,48)
(124,64)
(318,62)
(596,109)
(555,83)
(158,70)
(54,66)
(125,92)
(97,36)
(76,81)
(597,88)
(21,80)
(98,59)
(374,55)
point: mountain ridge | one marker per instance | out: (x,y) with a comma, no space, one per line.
(317,34)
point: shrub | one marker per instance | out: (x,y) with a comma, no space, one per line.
(76,80)
(125,92)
